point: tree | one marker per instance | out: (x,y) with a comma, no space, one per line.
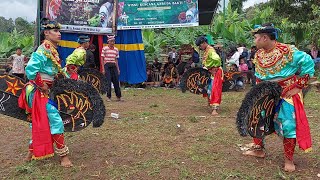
(315,25)
(6,25)
(23,26)
(294,10)
(237,5)
(295,17)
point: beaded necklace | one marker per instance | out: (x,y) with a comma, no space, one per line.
(52,53)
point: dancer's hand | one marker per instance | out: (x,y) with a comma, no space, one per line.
(292,92)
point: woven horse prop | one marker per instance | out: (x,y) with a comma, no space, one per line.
(95,78)
(78,102)
(258,110)
(196,80)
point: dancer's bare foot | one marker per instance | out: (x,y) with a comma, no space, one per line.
(214,112)
(255,153)
(65,162)
(28,157)
(288,165)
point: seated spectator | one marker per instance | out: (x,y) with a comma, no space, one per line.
(166,64)
(239,81)
(149,75)
(315,54)
(190,64)
(243,67)
(234,56)
(170,76)
(251,66)
(156,66)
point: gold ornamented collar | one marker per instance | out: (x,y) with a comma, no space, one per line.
(271,62)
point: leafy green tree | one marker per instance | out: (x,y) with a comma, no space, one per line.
(24,26)
(294,10)
(6,25)
(298,18)
(314,25)
(237,5)
(234,27)
(231,29)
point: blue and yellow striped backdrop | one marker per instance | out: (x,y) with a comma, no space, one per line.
(132,62)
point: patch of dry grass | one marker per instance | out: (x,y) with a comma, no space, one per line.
(161,134)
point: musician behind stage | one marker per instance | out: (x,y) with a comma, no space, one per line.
(170,76)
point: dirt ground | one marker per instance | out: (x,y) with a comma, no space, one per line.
(161,134)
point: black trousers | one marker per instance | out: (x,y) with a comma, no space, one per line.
(19,75)
(112,75)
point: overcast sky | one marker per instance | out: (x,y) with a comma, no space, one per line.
(28,8)
(252,2)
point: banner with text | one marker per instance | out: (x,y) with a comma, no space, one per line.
(142,14)
(83,16)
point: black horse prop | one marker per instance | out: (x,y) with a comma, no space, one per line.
(78,102)
(258,109)
(196,80)
(95,78)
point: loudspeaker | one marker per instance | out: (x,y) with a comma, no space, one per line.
(206,10)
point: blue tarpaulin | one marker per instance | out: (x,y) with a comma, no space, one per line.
(132,62)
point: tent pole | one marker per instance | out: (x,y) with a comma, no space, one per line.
(38,23)
(223,36)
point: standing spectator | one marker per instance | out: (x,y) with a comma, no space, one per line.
(109,57)
(156,70)
(90,62)
(17,62)
(173,56)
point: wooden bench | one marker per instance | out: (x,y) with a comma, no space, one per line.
(3,65)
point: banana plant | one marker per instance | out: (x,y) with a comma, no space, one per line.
(153,44)
(9,42)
